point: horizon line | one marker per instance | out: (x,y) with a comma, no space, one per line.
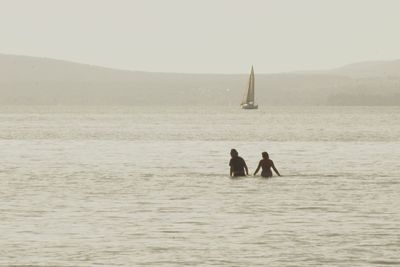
(198,73)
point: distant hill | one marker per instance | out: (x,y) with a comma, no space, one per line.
(39,81)
(368,69)
(371,69)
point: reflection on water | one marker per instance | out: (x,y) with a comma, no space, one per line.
(76,190)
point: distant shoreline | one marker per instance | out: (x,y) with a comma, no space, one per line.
(38,81)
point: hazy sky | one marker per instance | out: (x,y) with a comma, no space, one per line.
(212,36)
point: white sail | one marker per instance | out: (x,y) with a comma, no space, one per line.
(248,97)
(250,92)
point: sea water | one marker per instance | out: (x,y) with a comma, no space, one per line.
(150,186)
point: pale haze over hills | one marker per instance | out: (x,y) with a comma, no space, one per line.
(207,36)
(41,81)
(296,47)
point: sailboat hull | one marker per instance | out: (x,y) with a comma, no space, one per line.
(249,106)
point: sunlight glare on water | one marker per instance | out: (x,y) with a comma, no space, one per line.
(148,186)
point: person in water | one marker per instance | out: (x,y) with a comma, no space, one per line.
(238,165)
(266,164)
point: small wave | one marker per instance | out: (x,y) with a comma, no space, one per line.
(385,262)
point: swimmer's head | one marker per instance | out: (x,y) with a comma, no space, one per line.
(234,153)
(265,155)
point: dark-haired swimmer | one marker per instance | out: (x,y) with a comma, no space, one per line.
(237,164)
(266,164)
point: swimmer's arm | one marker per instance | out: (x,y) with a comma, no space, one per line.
(231,171)
(258,168)
(276,171)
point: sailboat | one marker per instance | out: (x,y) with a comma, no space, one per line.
(248,98)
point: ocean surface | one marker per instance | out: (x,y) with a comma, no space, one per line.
(150,186)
